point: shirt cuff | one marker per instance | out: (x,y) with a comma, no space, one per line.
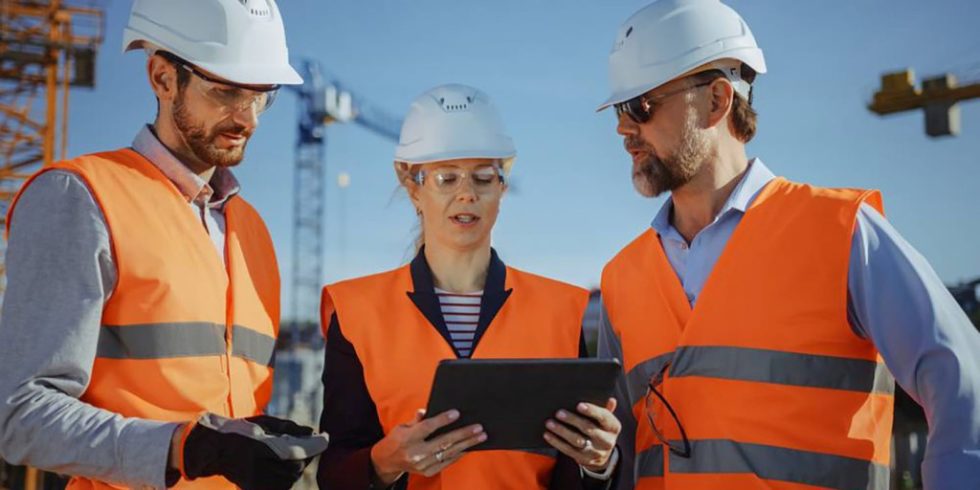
(146,446)
(608,472)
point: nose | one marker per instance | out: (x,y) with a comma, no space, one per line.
(626,126)
(466,192)
(247,116)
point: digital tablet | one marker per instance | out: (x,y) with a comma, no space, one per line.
(512,398)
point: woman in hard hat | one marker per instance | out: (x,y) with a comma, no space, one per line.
(387,332)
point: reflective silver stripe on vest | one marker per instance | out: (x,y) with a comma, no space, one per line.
(650,462)
(551,453)
(189,339)
(787,368)
(254,346)
(782,464)
(161,340)
(638,377)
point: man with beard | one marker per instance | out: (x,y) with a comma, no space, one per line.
(142,304)
(755,318)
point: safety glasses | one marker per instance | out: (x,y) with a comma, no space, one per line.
(684,448)
(640,109)
(486,179)
(224,94)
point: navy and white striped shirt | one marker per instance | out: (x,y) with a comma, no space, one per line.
(461,311)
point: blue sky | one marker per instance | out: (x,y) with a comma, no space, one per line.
(544,64)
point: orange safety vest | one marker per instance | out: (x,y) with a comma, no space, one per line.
(181,333)
(772,386)
(399,350)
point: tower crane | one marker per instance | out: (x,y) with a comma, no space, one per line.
(322,102)
(939,97)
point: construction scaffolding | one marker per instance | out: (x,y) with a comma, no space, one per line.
(46,47)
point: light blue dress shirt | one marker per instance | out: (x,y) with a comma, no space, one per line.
(897,301)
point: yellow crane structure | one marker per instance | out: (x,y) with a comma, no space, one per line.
(46,48)
(939,97)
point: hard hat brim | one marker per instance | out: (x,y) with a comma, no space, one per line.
(254,74)
(245,74)
(753,58)
(621,97)
(442,157)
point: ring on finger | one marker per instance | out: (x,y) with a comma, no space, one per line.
(439,455)
(587,445)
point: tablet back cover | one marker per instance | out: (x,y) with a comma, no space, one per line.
(513,398)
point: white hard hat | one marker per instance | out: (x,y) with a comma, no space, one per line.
(453,121)
(242,41)
(669,38)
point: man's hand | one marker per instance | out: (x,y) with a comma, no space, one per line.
(257,453)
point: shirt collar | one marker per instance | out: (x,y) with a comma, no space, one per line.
(223,183)
(755,178)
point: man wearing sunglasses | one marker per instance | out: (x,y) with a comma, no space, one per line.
(760,321)
(142,303)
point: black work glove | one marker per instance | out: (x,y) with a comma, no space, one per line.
(258,453)
(278,426)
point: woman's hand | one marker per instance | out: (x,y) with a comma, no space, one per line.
(588,437)
(405,449)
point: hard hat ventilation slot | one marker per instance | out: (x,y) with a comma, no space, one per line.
(457,107)
(257,8)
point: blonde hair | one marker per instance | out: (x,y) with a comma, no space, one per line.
(406,180)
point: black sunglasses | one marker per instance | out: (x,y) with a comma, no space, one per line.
(684,449)
(640,108)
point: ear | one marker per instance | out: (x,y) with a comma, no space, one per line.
(163,77)
(413,193)
(405,178)
(721,91)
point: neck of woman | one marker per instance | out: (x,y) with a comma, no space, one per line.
(458,270)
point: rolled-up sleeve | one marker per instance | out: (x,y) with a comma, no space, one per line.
(60,272)
(928,343)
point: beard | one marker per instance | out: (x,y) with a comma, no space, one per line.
(654,175)
(201,141)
